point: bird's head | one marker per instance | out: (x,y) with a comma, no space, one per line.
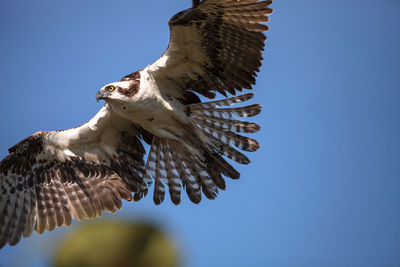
(117,91)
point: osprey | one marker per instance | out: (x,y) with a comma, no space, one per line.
(51,177)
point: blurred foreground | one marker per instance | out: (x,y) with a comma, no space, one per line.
(116,243)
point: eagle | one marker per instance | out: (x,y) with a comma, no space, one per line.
(52,177)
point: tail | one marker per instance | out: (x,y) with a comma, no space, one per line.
(172,163)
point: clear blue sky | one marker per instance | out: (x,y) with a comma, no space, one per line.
(323,190)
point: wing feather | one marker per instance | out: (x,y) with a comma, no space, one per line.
(52,177)
(214,47)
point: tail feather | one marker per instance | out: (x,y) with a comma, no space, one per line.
(209,189)
(235,155)
(191,182)
(174,183)
(228,151)
(184,174)
(230,125)
(242,142)
(196,163)
(159,175)
(247,111)
(225,168)
(221,103)
(216,176)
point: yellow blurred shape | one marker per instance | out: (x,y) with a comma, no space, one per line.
(116,243)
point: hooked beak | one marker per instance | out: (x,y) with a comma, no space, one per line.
(102,95)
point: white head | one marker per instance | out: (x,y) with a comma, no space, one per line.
(118,91)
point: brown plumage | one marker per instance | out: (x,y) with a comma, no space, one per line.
(225,39)
(50,178)
(41,191)
(134,87)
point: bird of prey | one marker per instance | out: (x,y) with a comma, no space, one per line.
(215,47)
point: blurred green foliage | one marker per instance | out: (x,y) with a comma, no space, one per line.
(116,243)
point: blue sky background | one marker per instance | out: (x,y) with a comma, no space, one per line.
(323,190)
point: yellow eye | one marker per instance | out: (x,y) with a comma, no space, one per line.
(110,88)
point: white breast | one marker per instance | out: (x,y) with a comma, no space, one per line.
(158,113)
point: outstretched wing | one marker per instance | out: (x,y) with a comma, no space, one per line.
(216,46)
(51,177)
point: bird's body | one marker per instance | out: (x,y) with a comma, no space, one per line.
(51,177)
(150,107)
